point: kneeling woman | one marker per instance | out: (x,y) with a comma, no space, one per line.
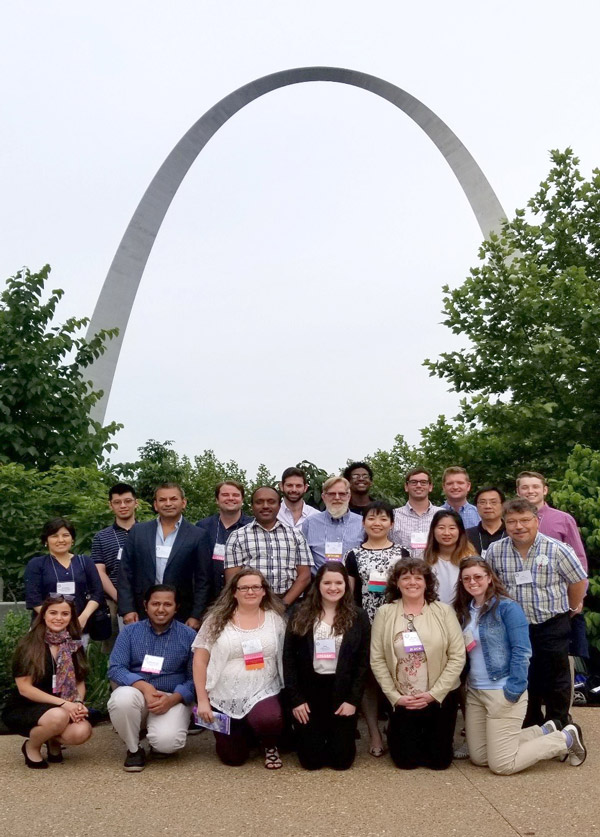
(237,667)
(49,668)
(417,656)
(325,663)
(497,639)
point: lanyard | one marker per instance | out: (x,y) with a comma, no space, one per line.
(53,559)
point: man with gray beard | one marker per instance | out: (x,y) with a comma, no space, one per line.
(331,534)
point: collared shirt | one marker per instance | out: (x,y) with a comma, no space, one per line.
(174,645)
(274,552)
(322,528)
(167,541)
(553,566)
(562,527)
(407,521)
(468,512)
(218,534)
(107,548)
(285,515)
(481,538)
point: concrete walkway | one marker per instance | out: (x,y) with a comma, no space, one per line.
(193,794)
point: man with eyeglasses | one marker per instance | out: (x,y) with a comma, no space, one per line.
(266,544)
(360,477)
(332,533)
(413,520)
(547,579)
(488,502)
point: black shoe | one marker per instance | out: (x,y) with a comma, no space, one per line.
(193,729)
(35,765)
(54,758)
(135,762)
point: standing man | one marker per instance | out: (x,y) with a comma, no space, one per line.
(488,502)
(279,552)
(334,532)
(413,520)
(151,664)
(548,581)
(107,546)
(229,495)
(456,486)
(360,477)
(168,550)
(294,511)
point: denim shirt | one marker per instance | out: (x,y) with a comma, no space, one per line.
(504,636)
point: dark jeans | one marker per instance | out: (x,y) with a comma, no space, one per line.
(264,723)
(549,681)
(327,740)
(423,737)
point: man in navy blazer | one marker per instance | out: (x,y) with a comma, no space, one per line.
(168,550)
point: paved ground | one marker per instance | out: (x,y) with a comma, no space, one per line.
(193,794)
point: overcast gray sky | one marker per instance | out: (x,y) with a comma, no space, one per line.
(295,286)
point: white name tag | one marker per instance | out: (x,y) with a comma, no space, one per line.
(411,641)
(119,553)
(483,551)
(219,552)
(524,577)
(333,550)
(54,684)
(65,588)
(163,551)
(418,540)
(470,641)
(324,649)
(152,664)
(377,582)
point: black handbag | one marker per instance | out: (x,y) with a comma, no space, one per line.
(99,625)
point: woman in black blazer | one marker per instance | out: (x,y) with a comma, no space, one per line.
(325,663)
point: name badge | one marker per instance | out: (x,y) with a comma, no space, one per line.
(470,641)
(152,664)
(377,582)
(253,654)
(418,540)
(54,688)
(219,552)
(119,553)
(163,551)
(65,588)
(325,649)
(411,641)
(524,577)
(483,552)
(333,550)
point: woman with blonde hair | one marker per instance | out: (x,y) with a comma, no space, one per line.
(447,545)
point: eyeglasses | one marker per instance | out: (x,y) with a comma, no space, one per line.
(340,494)
(523,521)
(67,597)
(357,477)
(251,588)
(471,578)
(418,482)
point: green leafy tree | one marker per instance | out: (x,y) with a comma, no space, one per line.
(45,399)
(531,314)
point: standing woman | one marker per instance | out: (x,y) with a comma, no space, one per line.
(447,545)
(238,668)
(497,639)
(369,566)
(417,655)
(49,668)
(325,663)
(60,572)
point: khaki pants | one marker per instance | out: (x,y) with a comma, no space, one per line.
(128,713)
(495,737)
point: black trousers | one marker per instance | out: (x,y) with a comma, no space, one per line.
(423,737)
(549,680)
(327,740)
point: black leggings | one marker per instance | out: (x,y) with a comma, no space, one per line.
(327,740)
(423,737)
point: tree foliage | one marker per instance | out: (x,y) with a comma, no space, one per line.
(45,400)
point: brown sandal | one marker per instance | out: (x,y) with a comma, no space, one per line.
(272,759)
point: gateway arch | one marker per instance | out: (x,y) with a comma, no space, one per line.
(120,286)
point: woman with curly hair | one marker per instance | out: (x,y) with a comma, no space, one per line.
(325,663)
(49,668)
(497,639)
(237,667)
(417,655)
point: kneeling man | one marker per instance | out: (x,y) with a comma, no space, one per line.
(151,664)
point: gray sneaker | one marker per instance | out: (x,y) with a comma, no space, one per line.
(550,726)
(577,751)
(461,752)
(135,762)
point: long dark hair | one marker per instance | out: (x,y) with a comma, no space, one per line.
(463,547)
(311,608)
(415,566)
(223,609)
(496,590)
(30,653)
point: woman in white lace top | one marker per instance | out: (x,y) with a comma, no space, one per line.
(238,670)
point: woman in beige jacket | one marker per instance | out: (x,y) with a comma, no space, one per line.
(417,656)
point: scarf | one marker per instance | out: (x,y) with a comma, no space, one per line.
(66,683)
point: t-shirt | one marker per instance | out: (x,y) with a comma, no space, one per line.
(447,575)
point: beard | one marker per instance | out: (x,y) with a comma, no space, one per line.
(338,512)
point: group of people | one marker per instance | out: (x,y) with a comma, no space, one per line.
(284,625)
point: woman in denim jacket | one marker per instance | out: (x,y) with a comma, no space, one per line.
(497,640)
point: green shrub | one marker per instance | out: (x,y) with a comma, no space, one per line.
(16,624)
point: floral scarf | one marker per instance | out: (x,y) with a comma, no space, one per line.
(66,683)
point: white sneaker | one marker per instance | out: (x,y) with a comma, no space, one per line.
(577,751)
